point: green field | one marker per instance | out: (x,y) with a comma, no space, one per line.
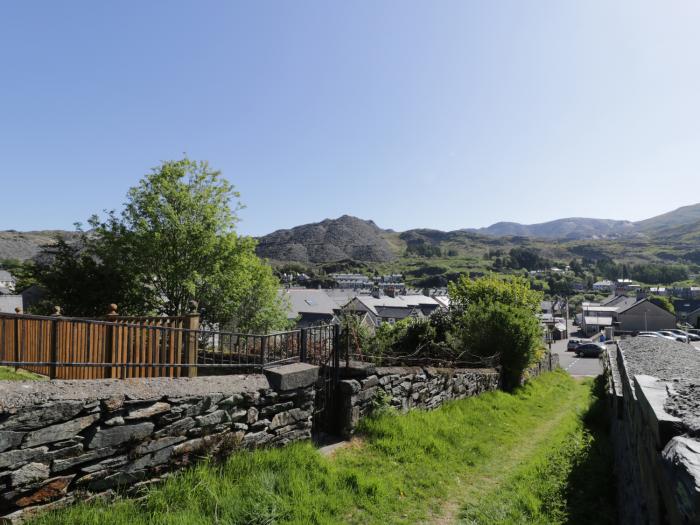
(536,456)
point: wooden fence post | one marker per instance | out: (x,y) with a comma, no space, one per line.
(191,336)
(16,338)
(53,369)
(109,341)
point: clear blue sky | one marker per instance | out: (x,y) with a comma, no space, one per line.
(414,114)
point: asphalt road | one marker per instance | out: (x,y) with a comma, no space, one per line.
(576,366)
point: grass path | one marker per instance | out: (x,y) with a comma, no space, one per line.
(421,467)
(471,487)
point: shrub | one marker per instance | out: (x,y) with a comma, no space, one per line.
(495,321)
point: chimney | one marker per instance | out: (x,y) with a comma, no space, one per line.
(390,291)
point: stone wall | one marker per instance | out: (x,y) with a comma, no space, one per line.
(657,453)
(365,387)
(67,440)
(548,363)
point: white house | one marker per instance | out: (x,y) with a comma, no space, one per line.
(604,286)
(7,281)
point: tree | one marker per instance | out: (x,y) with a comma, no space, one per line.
(514,291)
(174,241)
(496,319)
(663,302)
(527,258)
(86,275)
(576,267)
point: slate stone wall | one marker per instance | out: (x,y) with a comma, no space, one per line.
(67,440)
(367,387)
(657,455)
(548,363)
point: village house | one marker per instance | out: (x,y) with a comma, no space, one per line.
(687,311)
(7,283)
(351,280)
(9,304)
(604,286)
(309,307)
(625,314)
(644,315)
(388,309)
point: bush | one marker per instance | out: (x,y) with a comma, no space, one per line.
(663,302)
(501,334)
(492,322)
(495,320)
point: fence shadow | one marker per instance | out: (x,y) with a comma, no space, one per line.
(591,497)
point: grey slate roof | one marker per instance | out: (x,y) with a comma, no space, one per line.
(394,312)
(308,301)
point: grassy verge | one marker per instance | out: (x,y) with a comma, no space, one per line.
(406,470)
(7,373)
(570,481)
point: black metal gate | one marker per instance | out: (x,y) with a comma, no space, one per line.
(320,346)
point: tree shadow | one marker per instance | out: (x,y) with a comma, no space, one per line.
(591,494)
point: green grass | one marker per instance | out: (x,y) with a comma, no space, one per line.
(11,374)
(407,468)
(567,482)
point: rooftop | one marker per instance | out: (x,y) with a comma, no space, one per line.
(309,301)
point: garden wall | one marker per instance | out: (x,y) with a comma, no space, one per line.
(367,387)
(654,412)
(548,363)
(67,440)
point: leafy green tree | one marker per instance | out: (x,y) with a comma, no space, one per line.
(576,267)
(663,302)
(174,241)
(83,277)
(495,319)
(514,291)
(527,258)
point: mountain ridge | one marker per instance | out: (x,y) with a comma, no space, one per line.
(349,237)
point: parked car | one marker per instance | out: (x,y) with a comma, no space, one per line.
(660,335)
(674,336)
(575,343)
(589,350)
(684,333)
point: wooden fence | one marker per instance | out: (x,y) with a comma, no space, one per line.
(129,347)
(117,347)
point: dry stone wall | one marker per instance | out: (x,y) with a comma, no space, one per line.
(657,451)
(368,387)
(67,440)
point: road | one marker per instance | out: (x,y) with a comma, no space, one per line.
(576,366)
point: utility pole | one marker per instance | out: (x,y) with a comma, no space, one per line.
(567,316)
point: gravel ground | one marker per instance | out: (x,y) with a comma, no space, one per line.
(674,362)
(23,393)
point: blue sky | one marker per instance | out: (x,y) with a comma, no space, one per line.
(414,114)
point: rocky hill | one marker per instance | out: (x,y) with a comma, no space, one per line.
(350,238)
(569,228)
(574,228)
(330,240)
(22,246)
(682,217)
